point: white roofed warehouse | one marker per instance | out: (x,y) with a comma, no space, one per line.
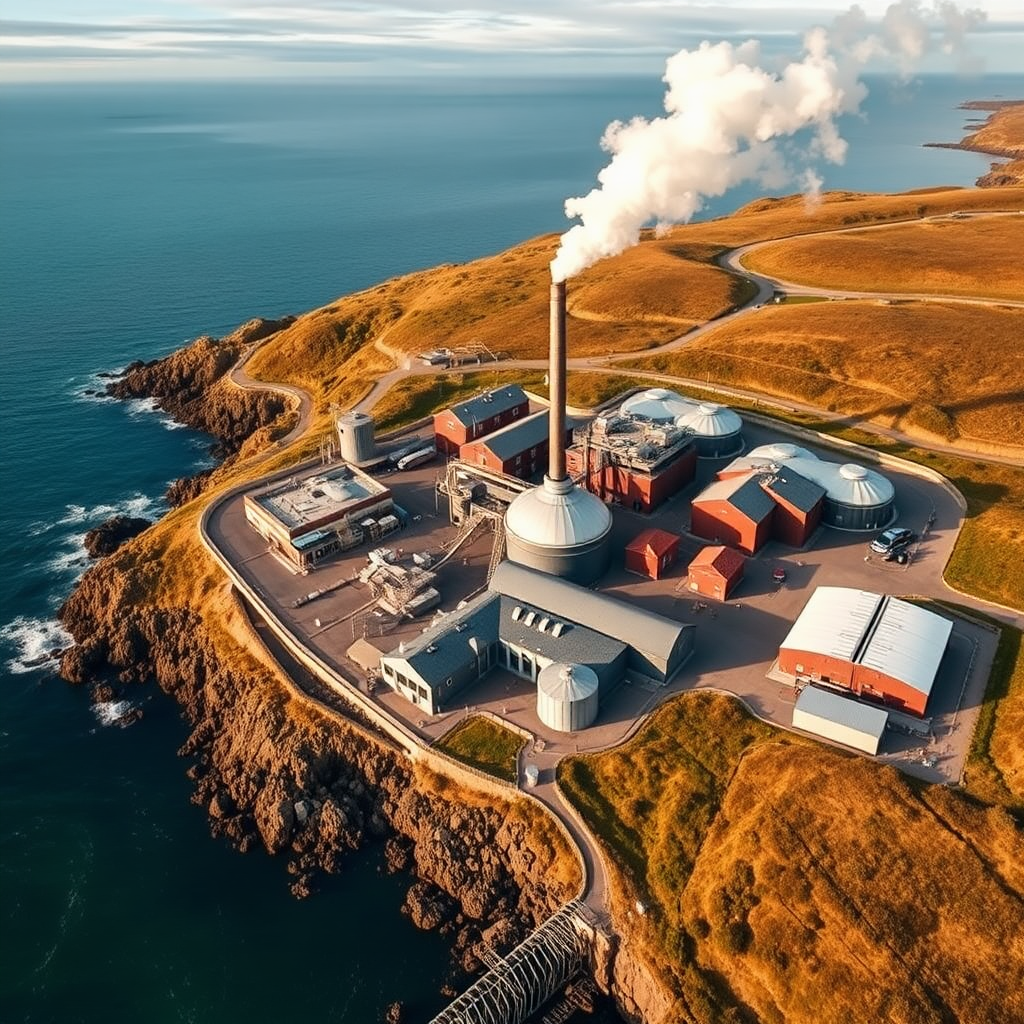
(878,646)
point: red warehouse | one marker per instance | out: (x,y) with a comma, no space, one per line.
(478,416)
(715,572)
(652,553)
(880,647)
(798,504)
(736,512)
(520,449)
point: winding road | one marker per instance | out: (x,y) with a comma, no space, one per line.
(596,885)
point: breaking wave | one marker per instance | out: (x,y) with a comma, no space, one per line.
(31,640)
(110,712)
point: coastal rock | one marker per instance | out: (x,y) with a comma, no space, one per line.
(394,1014)
(427,906)
(106,538)
(190,385)
(397,855)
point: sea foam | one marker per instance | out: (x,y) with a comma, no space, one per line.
(31,640)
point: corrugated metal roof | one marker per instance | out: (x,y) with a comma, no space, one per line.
(488,404)
(743,493)
(518,437)
(661,542)
(842,710)
(907,643)
(727,561)
(789,485)
(833,622)
(646,632)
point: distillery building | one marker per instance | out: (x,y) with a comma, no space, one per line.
(878,647)
(477,416)
(519,449)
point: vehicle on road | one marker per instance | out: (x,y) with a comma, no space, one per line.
(417,458)
(891,540)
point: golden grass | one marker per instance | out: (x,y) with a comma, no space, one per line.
(942,371)
(485,745)
(1002,133)
(788,881)
(946,257)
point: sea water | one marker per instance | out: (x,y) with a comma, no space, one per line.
(135,217)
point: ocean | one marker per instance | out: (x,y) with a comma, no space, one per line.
(135,218)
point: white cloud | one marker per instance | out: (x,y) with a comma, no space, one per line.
(50,37)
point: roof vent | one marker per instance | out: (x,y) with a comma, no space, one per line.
(517,613)
(558,629)
(543,624)
(431,648)
(460,626)
(530,616)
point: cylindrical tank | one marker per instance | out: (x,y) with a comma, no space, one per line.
(716,430)
(532,773)
(780,451)
(658,405)
(560,529)
(355,438)
(858,499)
(567,697)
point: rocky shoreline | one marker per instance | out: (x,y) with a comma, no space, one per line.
(980,140)
(292,776)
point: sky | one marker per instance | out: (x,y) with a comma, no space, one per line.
(107,40)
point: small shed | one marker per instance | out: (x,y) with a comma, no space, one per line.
(715,571)
(652,553)
(839,718)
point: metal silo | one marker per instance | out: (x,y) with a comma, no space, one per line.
(856,498)
(567,697)
(715,428)
(355,438)
(657,405)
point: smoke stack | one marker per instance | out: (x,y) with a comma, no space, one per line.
(556,384)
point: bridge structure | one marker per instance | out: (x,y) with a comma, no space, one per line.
(519,984)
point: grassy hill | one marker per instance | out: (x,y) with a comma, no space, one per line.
(947,257)
(785,881)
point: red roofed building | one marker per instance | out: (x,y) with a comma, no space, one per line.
(652,553)
(715,572)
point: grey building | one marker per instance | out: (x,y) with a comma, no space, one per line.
(657,646)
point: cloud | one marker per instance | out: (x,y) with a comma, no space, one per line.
(538,34)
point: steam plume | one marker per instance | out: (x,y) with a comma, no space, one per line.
(725,116)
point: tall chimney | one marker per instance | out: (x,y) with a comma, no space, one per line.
(556,384)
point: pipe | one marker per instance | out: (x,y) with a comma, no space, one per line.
(556,385)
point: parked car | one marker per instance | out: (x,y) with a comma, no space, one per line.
(891,540)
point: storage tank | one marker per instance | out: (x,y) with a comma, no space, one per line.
(715,428)
(561,529)
(355,438)
(780,451)
(855,498)
(658,405)
(858,499)
(567,696)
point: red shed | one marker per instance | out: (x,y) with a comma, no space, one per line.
(652,553)
(715,572)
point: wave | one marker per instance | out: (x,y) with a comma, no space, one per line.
(137,504)
(31,640)
(110,712)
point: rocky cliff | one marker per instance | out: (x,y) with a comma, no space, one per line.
(190,384)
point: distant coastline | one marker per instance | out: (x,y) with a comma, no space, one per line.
(994,138)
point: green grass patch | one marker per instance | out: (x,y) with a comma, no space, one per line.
(484,745)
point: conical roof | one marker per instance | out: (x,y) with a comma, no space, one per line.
(659,405)
(558,514)
(567,683)
(710,420)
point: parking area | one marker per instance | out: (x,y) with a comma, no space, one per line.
(737,640)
